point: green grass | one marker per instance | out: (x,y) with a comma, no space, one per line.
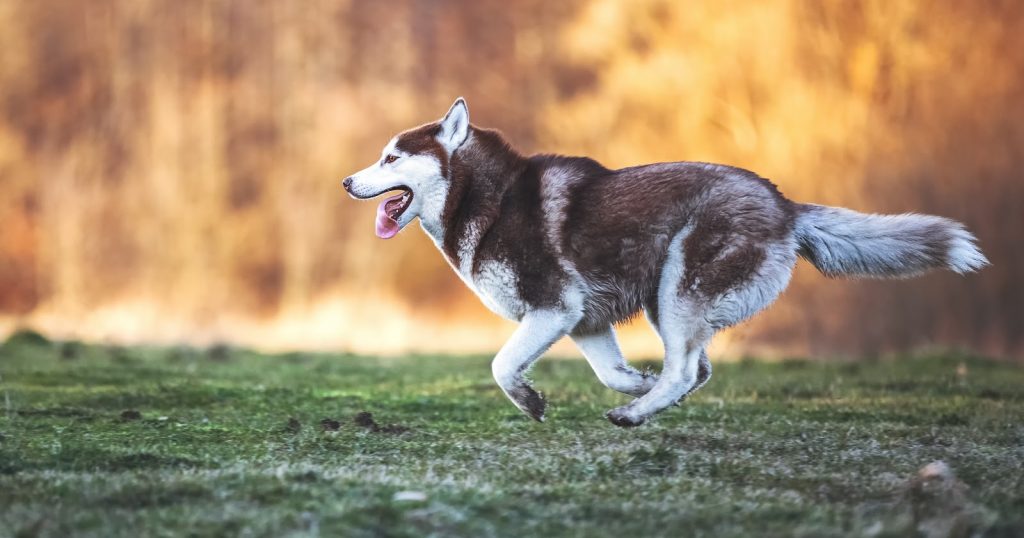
(788,449)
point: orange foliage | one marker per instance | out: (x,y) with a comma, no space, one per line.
(169,169)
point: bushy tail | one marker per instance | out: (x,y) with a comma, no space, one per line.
(842,242)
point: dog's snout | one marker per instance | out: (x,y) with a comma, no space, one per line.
(347,183)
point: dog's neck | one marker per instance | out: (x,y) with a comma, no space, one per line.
(479,174)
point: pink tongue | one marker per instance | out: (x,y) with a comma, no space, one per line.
(386,226)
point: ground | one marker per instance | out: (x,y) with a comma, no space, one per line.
(114,441)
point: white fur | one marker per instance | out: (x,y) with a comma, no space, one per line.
(494,283)
(497,284)
(469,242)
(537,331)
(963,255)
(771,279)
(455,126)
(432,195)
(671,275)
(421,174)
(684,333)
(554,198)
(604,356)
(842,242)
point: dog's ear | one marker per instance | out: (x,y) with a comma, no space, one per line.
(454,126)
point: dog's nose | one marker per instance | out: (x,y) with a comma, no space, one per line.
(347,183)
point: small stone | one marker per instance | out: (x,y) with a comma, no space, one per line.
(409,496)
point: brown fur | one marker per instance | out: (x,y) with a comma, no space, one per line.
(529,400)
(423,141)
(618,223)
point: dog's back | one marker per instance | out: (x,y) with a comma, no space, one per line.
(615,227)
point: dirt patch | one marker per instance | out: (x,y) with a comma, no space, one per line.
(70,351)
(219,353)
(129,415)
(364,419)
(121,355)
(329,425)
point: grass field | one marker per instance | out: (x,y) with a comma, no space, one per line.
(107,441)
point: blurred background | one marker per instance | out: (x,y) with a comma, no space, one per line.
(169,169)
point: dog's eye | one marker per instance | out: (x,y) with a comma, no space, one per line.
(390,159)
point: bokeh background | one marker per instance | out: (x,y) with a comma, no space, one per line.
(169,169)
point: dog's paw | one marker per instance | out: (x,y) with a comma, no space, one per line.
(622,418)
(530,401)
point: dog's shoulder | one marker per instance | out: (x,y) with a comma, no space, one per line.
(559,172)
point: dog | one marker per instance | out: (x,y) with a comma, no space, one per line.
(566,246)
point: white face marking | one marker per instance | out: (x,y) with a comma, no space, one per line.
(421,174)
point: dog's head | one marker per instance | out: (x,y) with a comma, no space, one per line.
(415,163)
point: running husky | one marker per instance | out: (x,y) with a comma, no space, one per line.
(566,246)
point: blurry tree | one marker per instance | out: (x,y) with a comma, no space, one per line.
(169,169)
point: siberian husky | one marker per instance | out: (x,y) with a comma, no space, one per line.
(566,246)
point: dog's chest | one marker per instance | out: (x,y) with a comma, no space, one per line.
(497,285)
(495,282)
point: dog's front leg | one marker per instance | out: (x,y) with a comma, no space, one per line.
(536,333)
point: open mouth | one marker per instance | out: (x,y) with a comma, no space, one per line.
(390,210)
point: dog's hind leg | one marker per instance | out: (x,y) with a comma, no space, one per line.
(740,278)
(680,321)
(703,364)
(703,373)
(536,333)
(680,374)
(601,350)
